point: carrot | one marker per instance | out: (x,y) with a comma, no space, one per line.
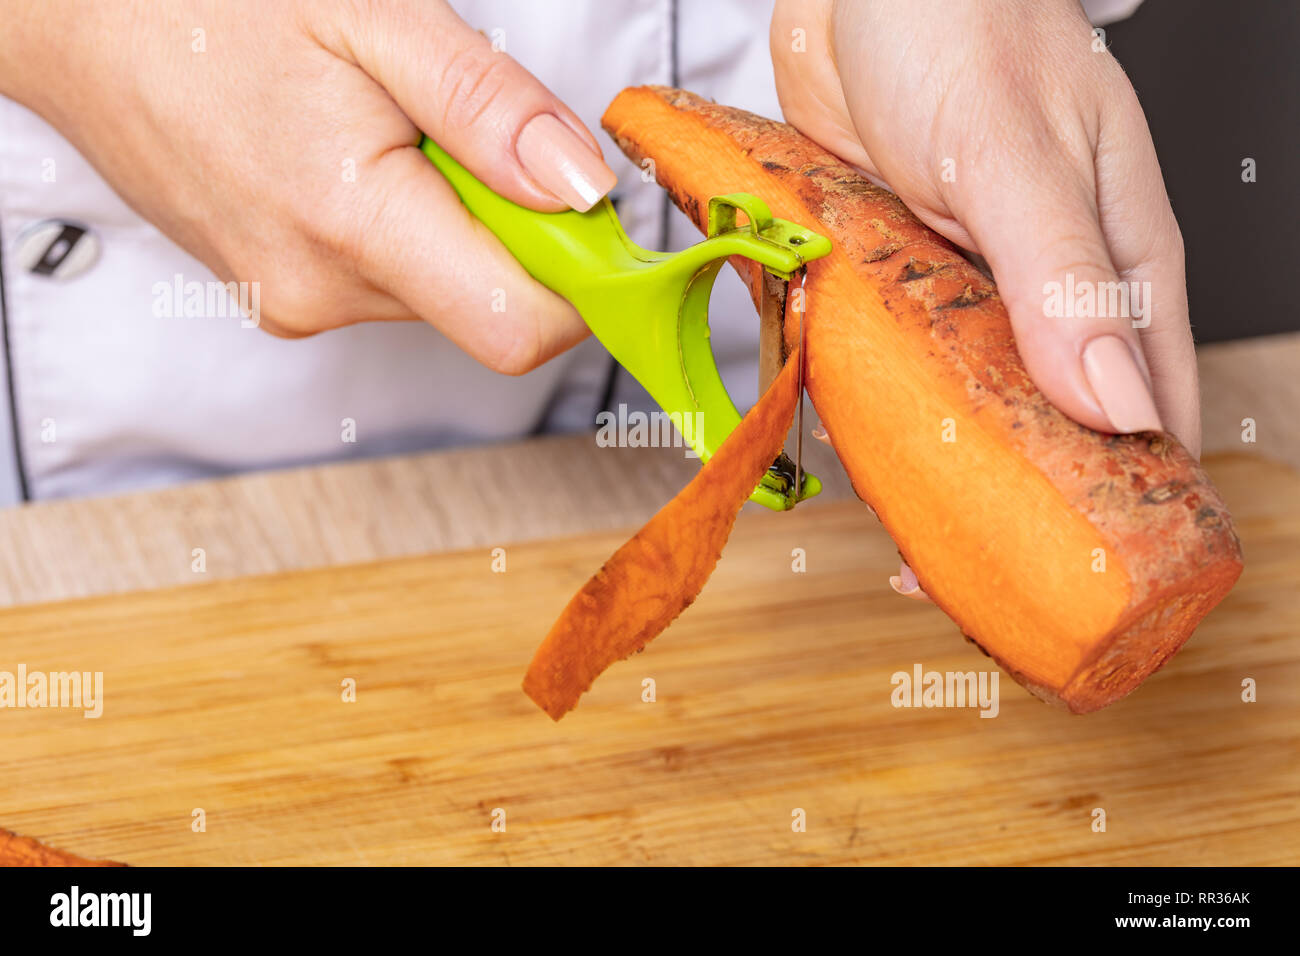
(18,850)
(1079,561)
(662,569)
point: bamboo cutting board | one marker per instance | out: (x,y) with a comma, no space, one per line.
(773,696)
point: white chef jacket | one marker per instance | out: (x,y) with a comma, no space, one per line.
(100,395)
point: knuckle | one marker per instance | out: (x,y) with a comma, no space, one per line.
(297,304)
(517,354)
(344,225)
(471,86)
(1075,242)
(349,232)
(1077,253)
(515,348)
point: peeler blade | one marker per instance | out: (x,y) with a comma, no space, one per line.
(771,330)
(798,304)
(776,307)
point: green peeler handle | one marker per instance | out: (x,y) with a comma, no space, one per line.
(649,309)
(561,250)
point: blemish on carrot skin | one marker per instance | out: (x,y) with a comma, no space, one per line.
(915,269)
(1101,489)
(966,299)
(1207,517)
(881,252)
(1163,493)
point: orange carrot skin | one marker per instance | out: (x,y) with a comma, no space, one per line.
(659,572)
(904,334)
(18,850)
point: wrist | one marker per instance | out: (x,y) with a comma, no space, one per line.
(34,45)
(19,50)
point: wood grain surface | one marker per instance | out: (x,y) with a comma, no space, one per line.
(773,695)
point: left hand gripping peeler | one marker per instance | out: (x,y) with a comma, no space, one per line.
(650,309)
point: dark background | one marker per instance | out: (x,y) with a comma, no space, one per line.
(1219,81)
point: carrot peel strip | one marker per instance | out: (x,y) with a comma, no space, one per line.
(658,573)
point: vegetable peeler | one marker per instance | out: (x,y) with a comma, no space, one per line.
(650,309)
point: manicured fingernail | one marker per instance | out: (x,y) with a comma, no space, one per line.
(905,582)
(819,432)
(562,164)
(1120,387)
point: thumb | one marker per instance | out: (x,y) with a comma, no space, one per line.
(1071,315)
(481,106)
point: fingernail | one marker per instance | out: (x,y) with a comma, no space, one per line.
(1119,385)
(819,432)
(561,163)
(905,582)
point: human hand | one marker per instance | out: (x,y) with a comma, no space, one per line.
(278,143)
(1001,127)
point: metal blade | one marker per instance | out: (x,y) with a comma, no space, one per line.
(771,330)
(775,306)
(799,305)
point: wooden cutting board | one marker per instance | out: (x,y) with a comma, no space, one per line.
(773,696)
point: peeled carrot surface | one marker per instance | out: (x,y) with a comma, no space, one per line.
(1079,561)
